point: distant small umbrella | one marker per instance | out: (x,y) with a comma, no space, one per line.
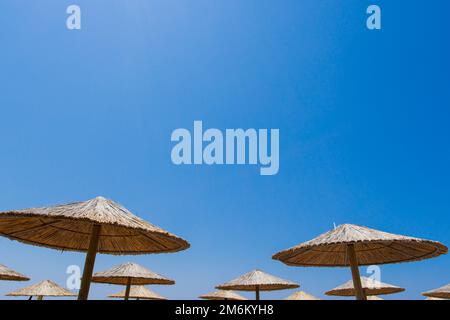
(95,226)
(442,293)
(139,292)
(371,287)
(130,274)
(258,281)
(11,275)
(354,246)
(300,295)
(223,295)
(42,289)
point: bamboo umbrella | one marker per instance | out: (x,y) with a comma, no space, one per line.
(94,226)
(223,295)
(11,275)
(258,281)
(442,293)
(42,289)
(139,292)
(129,274)
(301,295)
(354,246)
(371,287)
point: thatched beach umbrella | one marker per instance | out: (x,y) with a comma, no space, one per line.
(351,245)
(370,286)
(129,274)
(301,295)
(94,226)
(42,289)
(139,292)
(375,298)
(258,281)
(442,293)
(11,275)
(223,295)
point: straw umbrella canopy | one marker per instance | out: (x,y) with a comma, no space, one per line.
(42,289)
(354,246)
(129,274)
(11,275)
(223,295)
(442,293)
(371,287)
(375,298)
(257,281)
(301,295)
(139,292)
(94,226)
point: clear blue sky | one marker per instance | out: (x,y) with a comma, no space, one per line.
(363,119)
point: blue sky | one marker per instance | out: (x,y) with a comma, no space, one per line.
(363,119)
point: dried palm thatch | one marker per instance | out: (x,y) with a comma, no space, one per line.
(442,293)
(435,299)
(97,225)
(139,292)
(301,295)
(129,274)
(124,273)
(375,298)
(68,227)
(223,295)
(257,281)
(351,245)
(11,275)
(45,288)
(371,287)
(371,246)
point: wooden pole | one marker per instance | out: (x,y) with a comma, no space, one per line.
(257,293)
(89,263)
(40,298)
(351,253)
(127,290)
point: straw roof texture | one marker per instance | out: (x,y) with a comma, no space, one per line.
(139,292)
(257,279)
(371,287)
(301,295)
(443,293)
(223,295)
(68,227)
(11,275)
(45,288)
(138,275)
(371,246)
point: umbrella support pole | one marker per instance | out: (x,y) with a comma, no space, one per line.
(351,253)
(257,293)
(128,288)
(89,263)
